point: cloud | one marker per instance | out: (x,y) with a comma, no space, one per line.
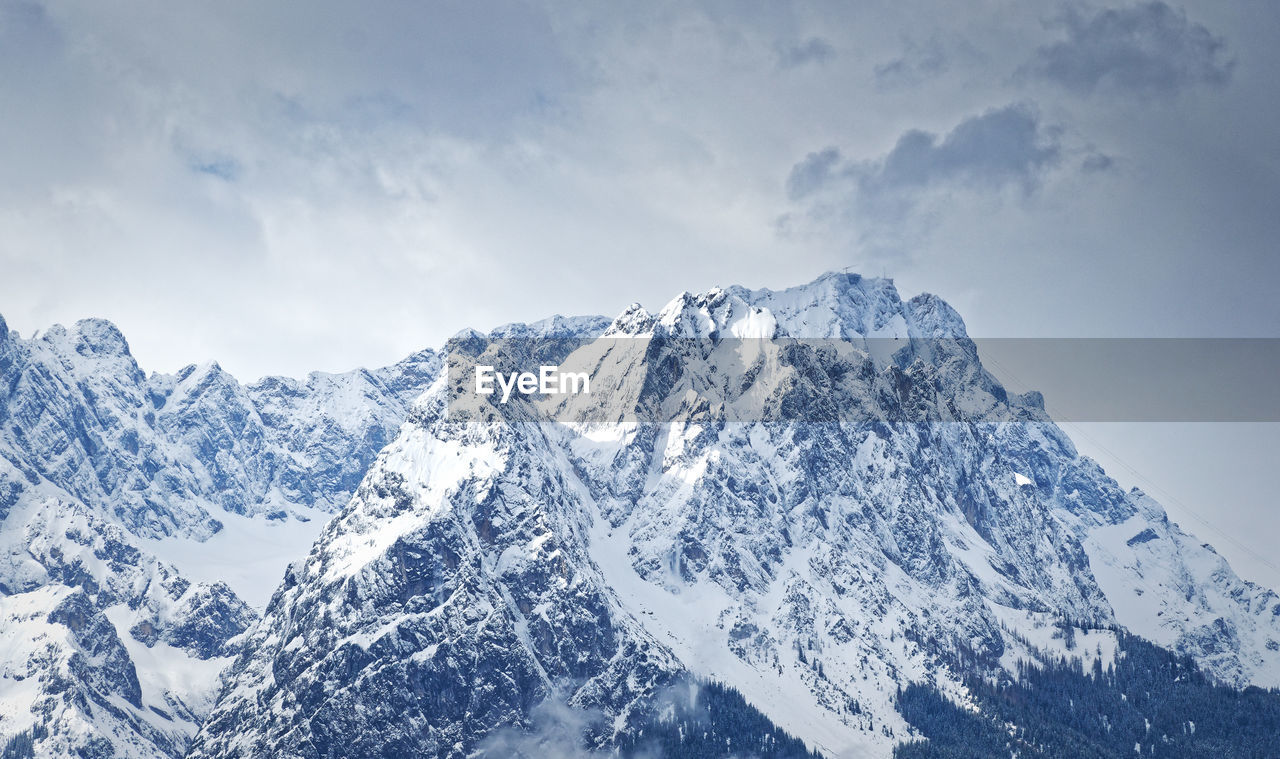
(812,50)
(816,171)
(297,166)
(918,63)
(556,731)
(218,166)
(1150,50)
(891,201)
(24,21)
(999,147)
(354,183)
(1095,162)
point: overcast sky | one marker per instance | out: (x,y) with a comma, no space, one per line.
(293,186)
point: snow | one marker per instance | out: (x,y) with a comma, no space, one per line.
(1174,590)
(685,621)
(693,618)
(837,560)
(249,554)
(436,466)
(25,635)
(165,671)
(1039,638)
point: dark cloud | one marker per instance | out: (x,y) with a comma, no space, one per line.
(995,148)
(220,167)
(1149,50)
(1095,162)
(813,173)
(889,200)
(1002,146)
(918,63)
(812,50)
(19,18)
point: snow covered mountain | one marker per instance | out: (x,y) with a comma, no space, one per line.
(138,514)
(168,454)
(812,559)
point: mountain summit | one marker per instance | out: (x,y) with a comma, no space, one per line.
(486,571)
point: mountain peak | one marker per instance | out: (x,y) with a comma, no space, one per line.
(933,317)
(99,338)
(835,305)
(91,348)
(634,321)
(555,326)
(839,305)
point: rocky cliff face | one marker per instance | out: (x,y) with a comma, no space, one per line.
(168,454)
(109,649)
(811,558)
(129,506)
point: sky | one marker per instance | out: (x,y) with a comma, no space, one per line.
(290,186)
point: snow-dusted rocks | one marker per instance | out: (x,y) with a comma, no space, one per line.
(815,563)
(452,596)
(113,651)
(872,510)
(107,650)
(169,454)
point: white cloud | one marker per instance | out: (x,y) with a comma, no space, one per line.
(284,187)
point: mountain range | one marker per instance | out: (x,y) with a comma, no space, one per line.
(345,566)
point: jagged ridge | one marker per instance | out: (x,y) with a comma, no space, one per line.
(815,567)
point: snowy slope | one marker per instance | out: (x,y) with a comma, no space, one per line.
(105,647)
(815,566)
(163,510)
(103,470)
(169,454)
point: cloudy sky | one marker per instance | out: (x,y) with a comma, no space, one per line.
(293,186)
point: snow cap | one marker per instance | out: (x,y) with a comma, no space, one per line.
(99,338)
